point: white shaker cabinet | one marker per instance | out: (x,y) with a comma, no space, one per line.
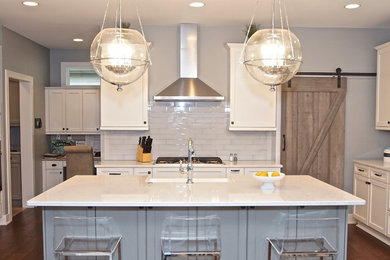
(253,107)
(371,184)
(383,87)
(72,110)
(52,173)
(126,109)
(91,110)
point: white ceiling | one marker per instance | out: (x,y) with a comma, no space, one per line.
(54,23)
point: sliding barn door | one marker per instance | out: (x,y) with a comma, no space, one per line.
(313,123)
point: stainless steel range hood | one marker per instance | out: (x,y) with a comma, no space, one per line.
(188,87)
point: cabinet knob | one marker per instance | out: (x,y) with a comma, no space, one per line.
(60,172)
(97,129)
(67,128)
(63,128)
(232,123)
(388,122)
(144,122)
(149,172)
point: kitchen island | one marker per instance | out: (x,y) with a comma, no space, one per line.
(248,214)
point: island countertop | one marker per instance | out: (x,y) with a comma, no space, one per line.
(133,191)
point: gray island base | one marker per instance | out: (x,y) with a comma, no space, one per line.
(248,216)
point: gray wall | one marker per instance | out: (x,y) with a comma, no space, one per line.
(27,57)
(323,49)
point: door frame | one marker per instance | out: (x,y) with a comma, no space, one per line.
(26,97)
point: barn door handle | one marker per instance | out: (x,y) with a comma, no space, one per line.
(284,142)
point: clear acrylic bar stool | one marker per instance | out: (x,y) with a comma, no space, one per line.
(307,238)
(191,237)
(76,237)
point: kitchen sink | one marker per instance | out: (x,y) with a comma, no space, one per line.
(184,180)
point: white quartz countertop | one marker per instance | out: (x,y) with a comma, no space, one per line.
(124,164)
(133,191)
(374,163)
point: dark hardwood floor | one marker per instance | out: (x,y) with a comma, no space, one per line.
(22,240)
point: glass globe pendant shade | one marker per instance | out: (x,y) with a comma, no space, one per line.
(120,56)
(273,56)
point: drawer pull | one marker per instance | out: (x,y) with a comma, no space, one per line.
(367,182)
(234,170)
(379,175)
(114,173)
(149,172)
(360,170)
(53,165)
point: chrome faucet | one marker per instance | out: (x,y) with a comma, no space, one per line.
(190,167)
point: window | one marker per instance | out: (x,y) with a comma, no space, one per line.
(78,74)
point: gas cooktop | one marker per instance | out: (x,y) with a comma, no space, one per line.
(173,160)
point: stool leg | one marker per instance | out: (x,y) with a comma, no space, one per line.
(119,251)
(269,251)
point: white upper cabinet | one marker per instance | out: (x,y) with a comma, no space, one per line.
(383,87)
(55,110)
(126,109)
(253,107)
(91,110)
(72,110)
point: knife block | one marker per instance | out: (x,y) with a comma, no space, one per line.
(143,157)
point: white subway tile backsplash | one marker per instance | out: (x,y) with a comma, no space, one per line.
(172,123)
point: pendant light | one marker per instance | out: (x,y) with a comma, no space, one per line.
(119,56)
(273,56)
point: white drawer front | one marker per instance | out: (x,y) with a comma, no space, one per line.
(235,171)
(143,171)
(361,170)
(54,164)
(114,171)
(378,174)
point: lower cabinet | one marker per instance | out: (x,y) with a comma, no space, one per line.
(52,173)
(371,185)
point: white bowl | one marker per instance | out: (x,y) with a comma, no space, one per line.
(268,181)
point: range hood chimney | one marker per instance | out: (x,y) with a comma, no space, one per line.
(188,87)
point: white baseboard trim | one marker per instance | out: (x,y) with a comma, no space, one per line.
(351,219)
(374,233)
(5,220)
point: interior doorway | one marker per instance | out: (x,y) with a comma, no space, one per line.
(19,136)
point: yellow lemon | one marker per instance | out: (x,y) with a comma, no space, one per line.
(262,174)
(275,174)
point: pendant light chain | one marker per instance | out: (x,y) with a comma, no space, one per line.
(142,29)
(288,29)
(247,33)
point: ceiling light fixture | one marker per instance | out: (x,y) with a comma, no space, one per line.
(30,3)
(120,55)
(273,56)
(78,40)
(352,6)
(196,4)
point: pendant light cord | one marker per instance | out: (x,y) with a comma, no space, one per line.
(247,33)
(102,27)
(142,31)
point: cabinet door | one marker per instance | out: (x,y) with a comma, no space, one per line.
(55,110)
(16,180)
(252,104)
(361,190)
(91,110)
(377,206)
(53,177)
(126,109)
(382,89)
(74,106)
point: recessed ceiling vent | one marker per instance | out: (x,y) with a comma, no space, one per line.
(188,87)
